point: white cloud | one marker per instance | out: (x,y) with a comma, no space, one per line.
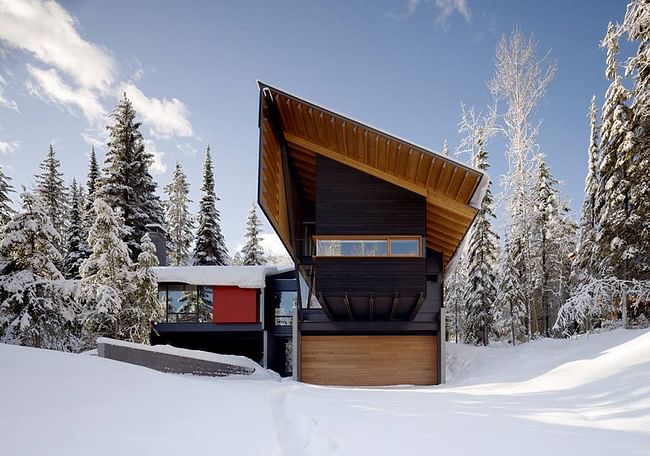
(165,117)
(158,166)
(95,137)
(187,149)
(447,7)
(48,85)
(4,101)
(6,147)
(49,32)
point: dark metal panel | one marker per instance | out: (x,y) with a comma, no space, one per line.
(206,327)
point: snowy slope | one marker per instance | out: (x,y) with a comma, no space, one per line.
(587,396)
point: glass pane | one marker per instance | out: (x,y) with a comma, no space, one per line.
(284,303)
(378,247)
(328,248)
(162,297)
(174,295)
(188,300)
(408,247)
(205,304)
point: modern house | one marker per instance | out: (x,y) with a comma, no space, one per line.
(372,223)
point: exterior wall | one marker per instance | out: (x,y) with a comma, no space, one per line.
(234,305)
(369,360)
(350,202)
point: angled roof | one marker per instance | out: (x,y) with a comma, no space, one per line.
(453,190)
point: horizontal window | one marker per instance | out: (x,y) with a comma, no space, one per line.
(377,246)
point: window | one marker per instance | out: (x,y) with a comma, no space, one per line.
(284,304)
(186,303)
(374,246)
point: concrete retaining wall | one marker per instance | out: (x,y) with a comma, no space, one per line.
(166,362)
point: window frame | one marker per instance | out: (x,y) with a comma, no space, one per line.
(176,317)
(387,238)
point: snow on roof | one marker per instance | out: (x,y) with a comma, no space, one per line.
(237,276)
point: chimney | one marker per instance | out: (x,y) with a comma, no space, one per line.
(159,238)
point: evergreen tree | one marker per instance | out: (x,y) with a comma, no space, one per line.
(584,267)
(50,188)
(107,275)
(252,252)
(34,300)
(143,309)
(127,185)
(180,222)
(616,237)
(210,248)
(6,211)
(637,27)
(553,242)
(454,299)
(76,248)
(92,184)
(480,290)
(511,314)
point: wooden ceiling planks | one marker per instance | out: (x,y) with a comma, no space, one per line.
(310,130)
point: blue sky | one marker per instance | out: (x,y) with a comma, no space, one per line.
(403,66)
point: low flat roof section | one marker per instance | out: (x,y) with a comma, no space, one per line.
(234,276)
(453,190)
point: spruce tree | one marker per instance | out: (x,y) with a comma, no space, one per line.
(252,253)
(107,275)
(480,290)
(140,312)
(127,185)
(445,148)
(210,248)
(616,237)
(637,26)
(584,266)
(51,189)
(76,248)
(34,303)
(6,211)
(180,222)
(454,299)
(511,313)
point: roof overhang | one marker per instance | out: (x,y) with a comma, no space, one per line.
(453,190)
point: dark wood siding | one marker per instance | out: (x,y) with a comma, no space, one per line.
(351,202)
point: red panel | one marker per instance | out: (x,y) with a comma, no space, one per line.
(234,305)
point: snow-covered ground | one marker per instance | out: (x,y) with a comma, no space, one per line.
(588,396)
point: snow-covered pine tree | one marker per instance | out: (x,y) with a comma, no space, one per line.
(445,148)
(76,248)
(51,189)
(454,298)
(510,305)
(35,307)
(553,242)
(252,252)
(480,290)
(106,276)
(143,308)
(584,266)
(637,26)
(127,185)
(210,248)
(180,222)
(616,239)
(6,210)
(520,80)
(92,184)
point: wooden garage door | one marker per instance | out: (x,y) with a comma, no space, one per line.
(369,360)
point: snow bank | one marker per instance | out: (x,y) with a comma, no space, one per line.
(259,371)
(587,396)
(236,276)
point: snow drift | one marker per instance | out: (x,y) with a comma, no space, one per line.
(586,396)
